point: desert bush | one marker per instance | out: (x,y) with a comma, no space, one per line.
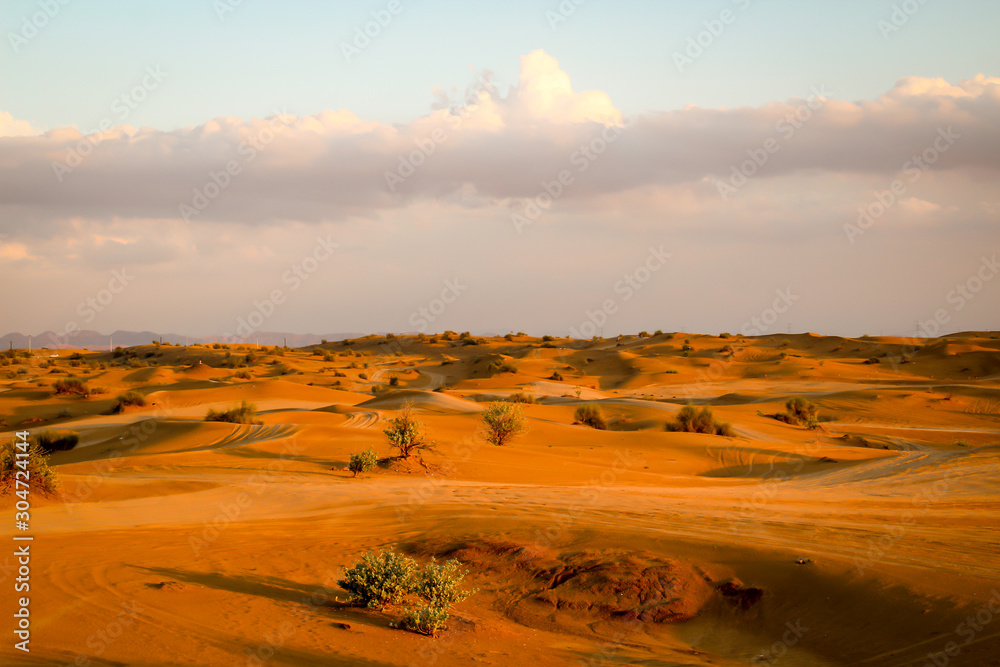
(800,408)
(498,367)
(40,476)
(686,347)
(725,335)
(872,360)
(122,401)
(439,585)
(557,376)
(71,386)
(502,422)
(508,337)
(521,397)
(692,420)
(425,620)
(379,580)
(362,462)
(56,441)
(591,416)
(547,339)
(242,375)
(245,413)
(405,433)
(394,381)
(118,352)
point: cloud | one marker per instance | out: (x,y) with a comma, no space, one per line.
(918,206)
(486,151)
(11,127)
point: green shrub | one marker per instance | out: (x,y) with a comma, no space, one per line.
(692,420)
(439,586)
(872,360)
(502,422)
(242,375)
(521,397)
(557,376)
(40,476)
(56,441)
(378,581)
(363,376)
(394,381)
(362,462)
(71,386)
(405,433)
(591,416)
(245,413)
(425,620)
(547,339)
(122,401)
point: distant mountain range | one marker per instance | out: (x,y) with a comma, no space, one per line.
(95,340)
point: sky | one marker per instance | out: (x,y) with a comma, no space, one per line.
(220,167)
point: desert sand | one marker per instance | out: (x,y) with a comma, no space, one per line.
(871,539)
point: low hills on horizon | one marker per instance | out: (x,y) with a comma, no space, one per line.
(89,339)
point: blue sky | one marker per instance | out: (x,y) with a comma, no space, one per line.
(263,55)
(833,100)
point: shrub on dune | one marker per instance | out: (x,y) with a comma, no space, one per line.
(692,420)
(122,401)
(41,477)
(502,422)
(406,433)
(380,580)
(362,462)
(591,415)
(498,367)
(245,413)
(800,412)
(521,397)
(56,441)
(387,578)
(71,386)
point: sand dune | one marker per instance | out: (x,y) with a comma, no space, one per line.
(865,541)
